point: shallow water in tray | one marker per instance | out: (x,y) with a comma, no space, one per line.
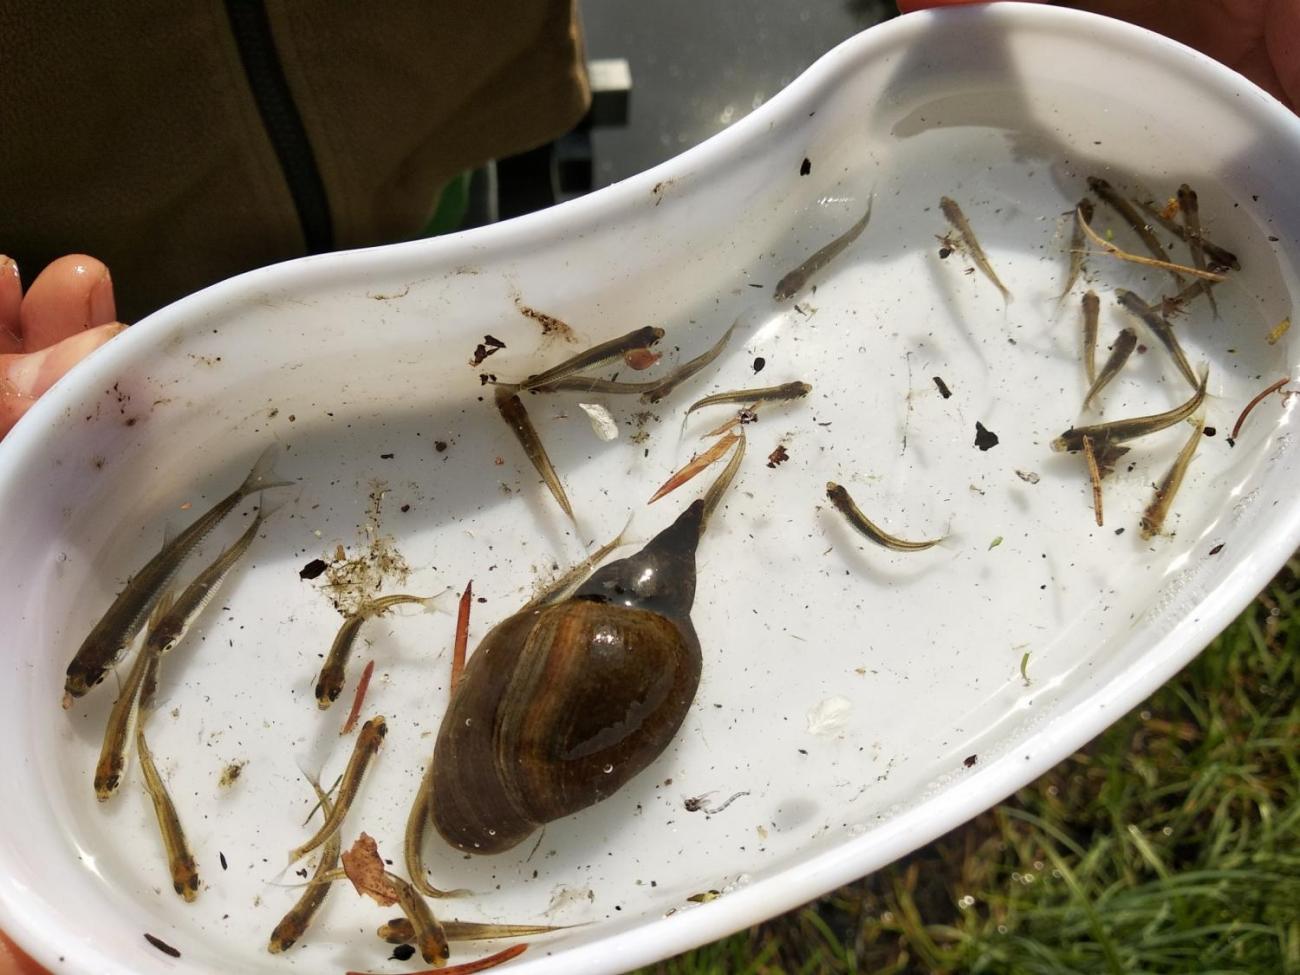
(842,682)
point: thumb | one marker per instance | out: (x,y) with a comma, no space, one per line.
(32,373)
(14,961)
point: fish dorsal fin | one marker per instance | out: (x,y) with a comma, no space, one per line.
(162,607)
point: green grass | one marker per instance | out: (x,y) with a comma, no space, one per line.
(1170,844)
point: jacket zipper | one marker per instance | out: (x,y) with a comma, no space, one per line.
(252,31)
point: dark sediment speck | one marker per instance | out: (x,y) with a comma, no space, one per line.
(312,569)
(985,439)
(944,391)
(161,945)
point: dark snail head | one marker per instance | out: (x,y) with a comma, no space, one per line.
(562,704)
(659,578)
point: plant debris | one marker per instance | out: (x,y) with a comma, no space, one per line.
(944,391)
(313,569)
(489,346)
(161,945)
(778,456)
(1029,477)
(365,868)
(230,774)
(550,324)
(985,439)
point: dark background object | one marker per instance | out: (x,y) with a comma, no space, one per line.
(694,68)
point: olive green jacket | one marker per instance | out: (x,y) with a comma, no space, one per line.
(183,142)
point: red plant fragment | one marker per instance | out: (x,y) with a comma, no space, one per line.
(462,636)
(695,465)
(358,699)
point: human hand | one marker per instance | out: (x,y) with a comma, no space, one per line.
(66,314)
(1259,38)
(14,962)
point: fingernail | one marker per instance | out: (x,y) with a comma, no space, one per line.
(102,307)
(8,266)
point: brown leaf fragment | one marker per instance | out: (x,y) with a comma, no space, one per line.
(365,868)
(778,456)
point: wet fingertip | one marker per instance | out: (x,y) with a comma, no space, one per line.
(103,307)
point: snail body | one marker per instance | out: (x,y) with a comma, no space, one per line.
(562,704)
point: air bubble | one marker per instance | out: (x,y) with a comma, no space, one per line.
(608,769)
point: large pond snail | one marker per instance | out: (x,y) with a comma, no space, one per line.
(563,703)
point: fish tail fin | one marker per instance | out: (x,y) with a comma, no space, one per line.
(446,601)
(265,510)
(263,475)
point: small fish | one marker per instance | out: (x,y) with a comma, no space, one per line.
(958,219)
(562,586)
(1221,259)
(844,503)
(1082,214)
(173,619)
(1094,475)
(1091,313)
(333,673)
(417,821)
(1124,345)
(512,411)
(1191,210)
(398,931)
(795,281)
(1153,519)
(689,369)
(369,739)
(719,487)
(597,355)
(185,874)
(1104,435)
(119,731)
(110,637)
(767,394)
(1162,330)
(294,924)
(651,391)
(1140,227)
(430,937)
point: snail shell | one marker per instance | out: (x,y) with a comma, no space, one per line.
(562,704)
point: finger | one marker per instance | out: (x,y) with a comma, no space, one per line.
(14,961)
(13,405)
(31,374)
(11,297)
(72,294)
(1282,38)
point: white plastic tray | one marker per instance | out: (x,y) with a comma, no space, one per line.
(349,358)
